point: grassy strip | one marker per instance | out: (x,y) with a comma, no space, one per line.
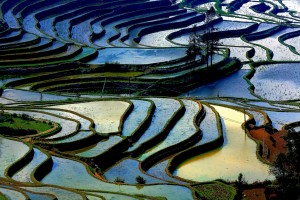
(80,55)
(115,153)
(35,54)
(287,36)
(252,71)
(162,134)
(175,148)
(50,196)
(70,53)
(92,124)
(19,164)
(236,5)
(291,125)
(26,197)
(35,45)
(78,144)
(2,197)
(199,77)
(196,150)
(260,8)
(181,32)
(6,38)
(79,78)
(231,33)
(169,26)
(15,45)
(43,169)
(144,125)
(263,34)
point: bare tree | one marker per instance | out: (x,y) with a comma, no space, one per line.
(204,43)
(211,43)
(194,46)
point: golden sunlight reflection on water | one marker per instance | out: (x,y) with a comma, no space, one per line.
(237,155)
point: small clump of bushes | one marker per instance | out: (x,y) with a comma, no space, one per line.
(119,180)
(140,180)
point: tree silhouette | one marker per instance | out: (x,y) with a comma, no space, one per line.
(195,46)
(286,167)
(205,43)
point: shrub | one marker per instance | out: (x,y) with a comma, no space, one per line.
(140,180)
(112,64)
(267,183)
(119,180)
(5,117)
(98,170)
(241,180)
(239,185)
(25,117)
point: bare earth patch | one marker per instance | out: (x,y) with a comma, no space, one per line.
(275,145)
(254,194)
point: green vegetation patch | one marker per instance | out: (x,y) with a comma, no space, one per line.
(14,124)
(2,197)
(216,191)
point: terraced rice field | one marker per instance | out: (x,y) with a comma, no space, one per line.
(133,119)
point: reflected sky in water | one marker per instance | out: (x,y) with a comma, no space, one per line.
(137,56)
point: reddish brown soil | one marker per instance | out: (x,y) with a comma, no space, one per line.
(254,194)
(274,147)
